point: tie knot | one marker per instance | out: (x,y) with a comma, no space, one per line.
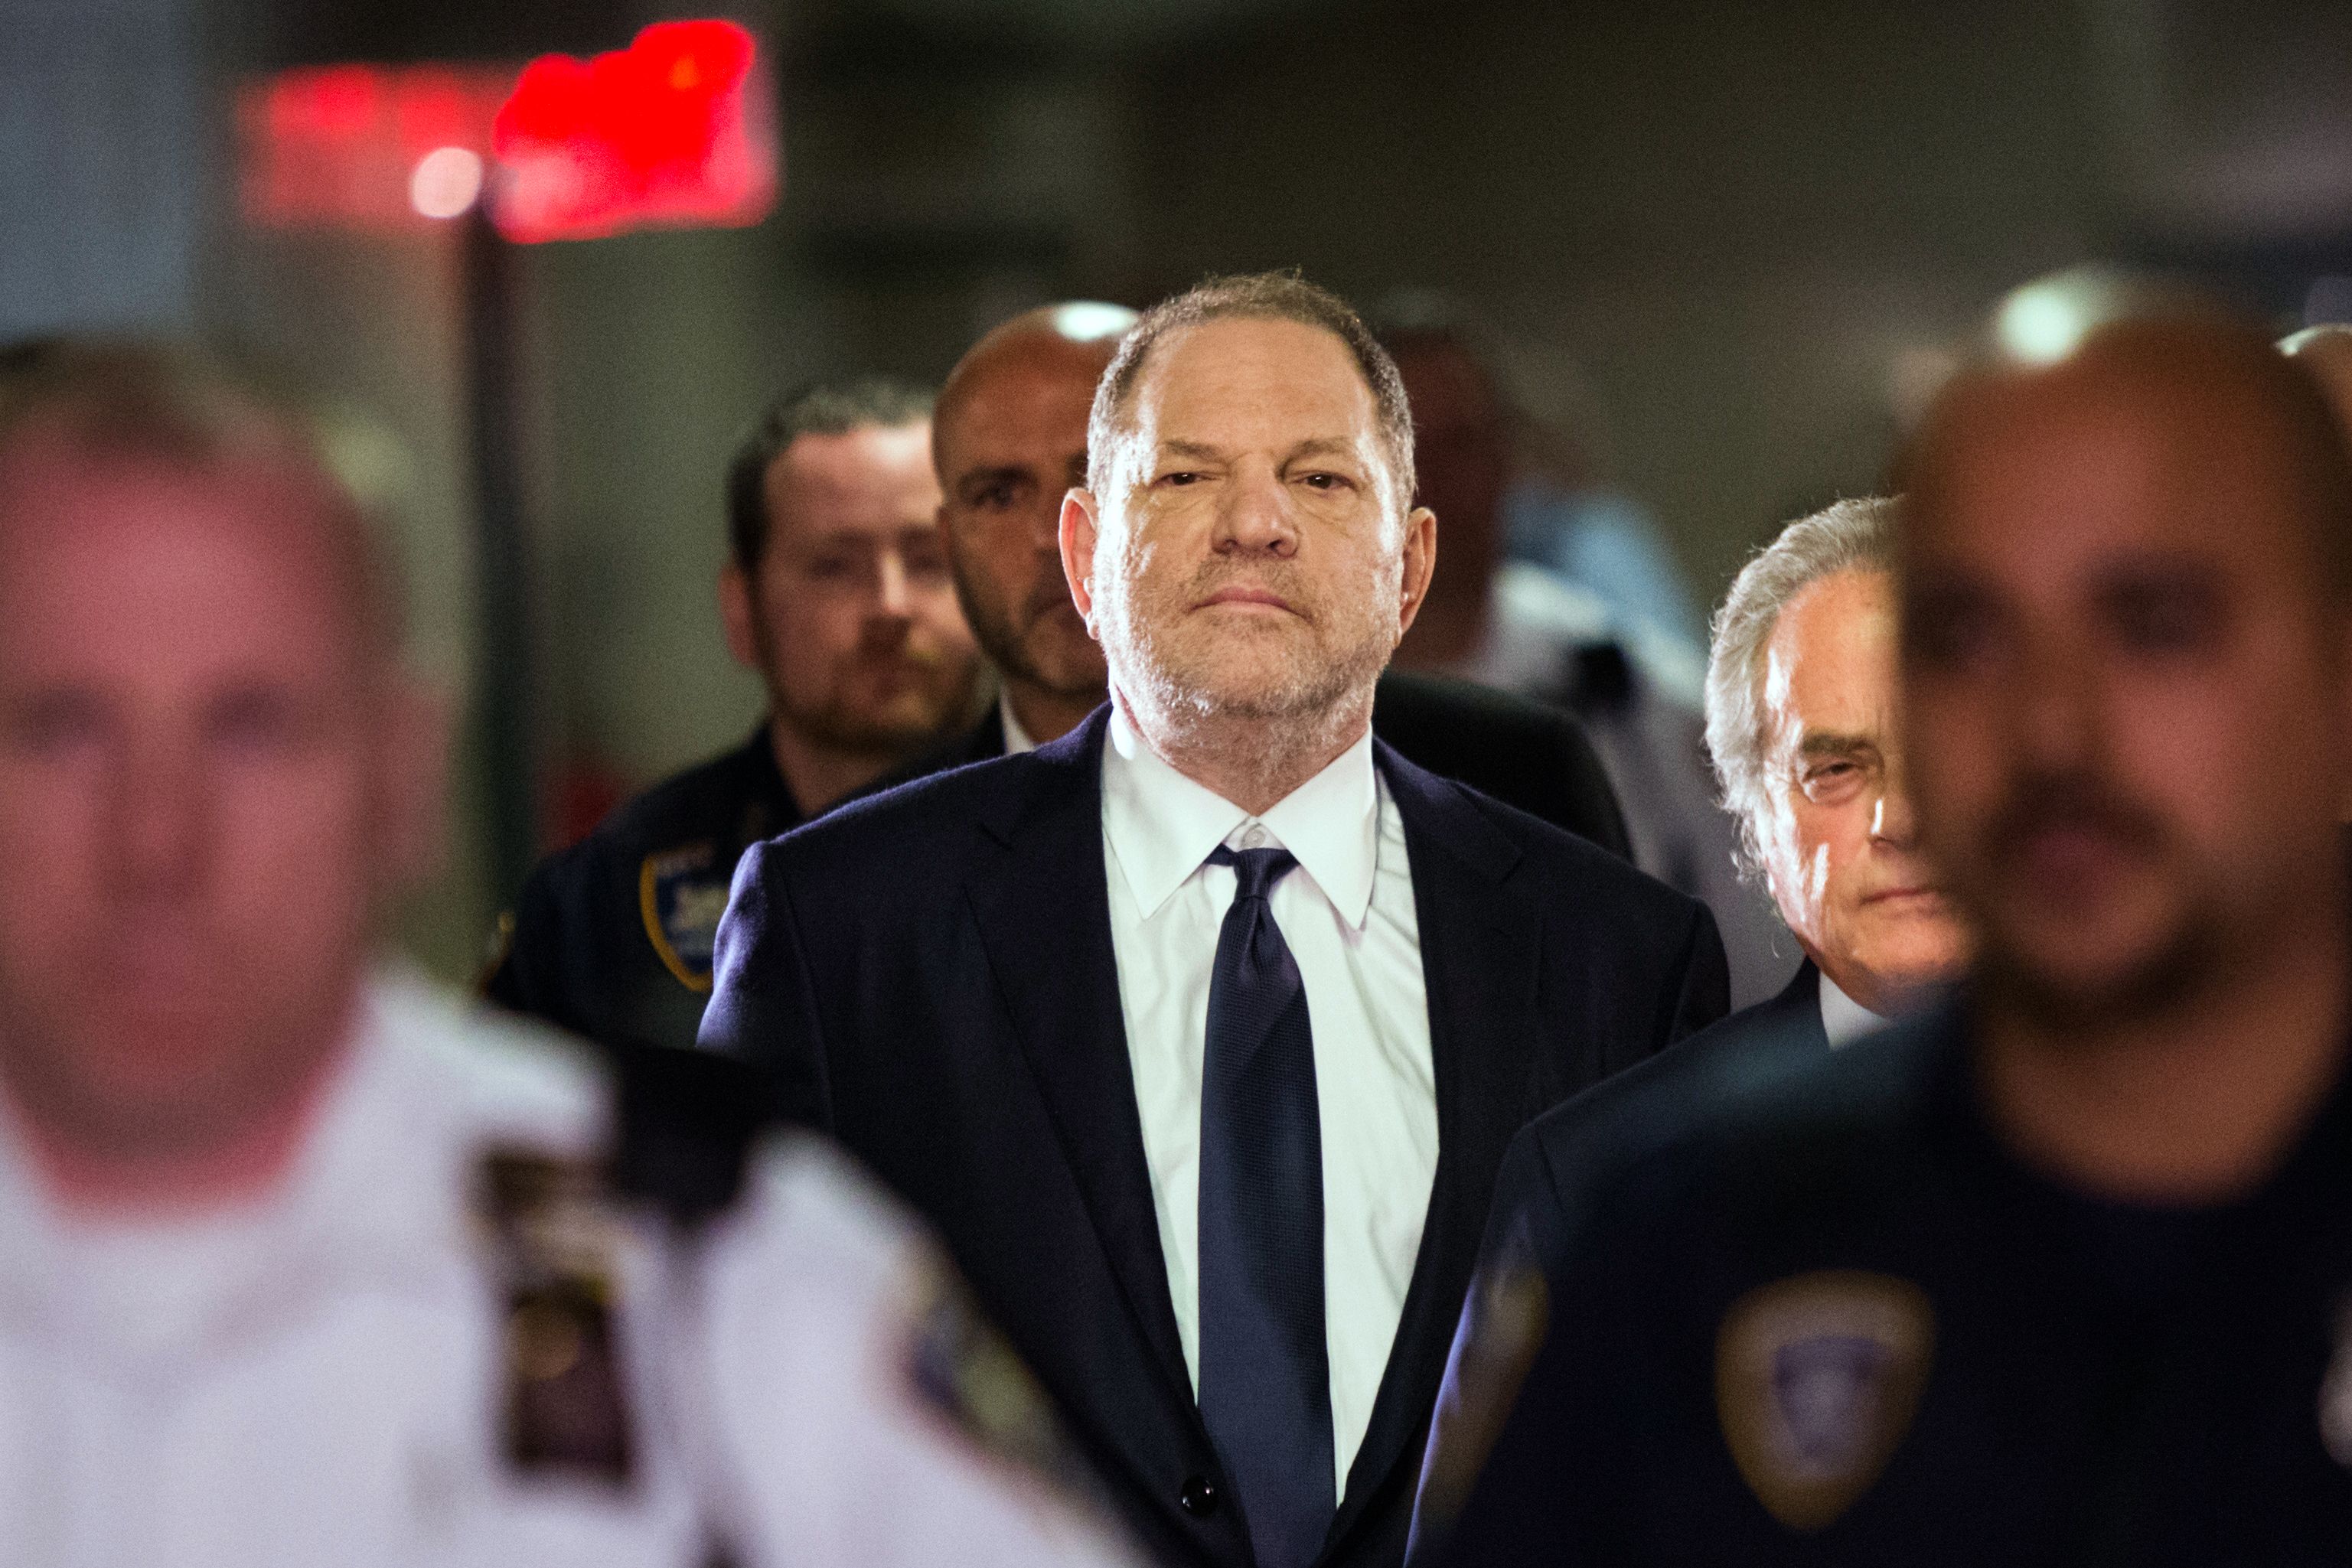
(1254,871)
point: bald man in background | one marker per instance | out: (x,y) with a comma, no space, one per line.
(2055,1272)
(1009,441)
(2325,351)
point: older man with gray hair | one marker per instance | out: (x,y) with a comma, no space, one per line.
(1801,720)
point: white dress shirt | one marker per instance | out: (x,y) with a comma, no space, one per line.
(1017,739)
(1843,1020)
(1348,915)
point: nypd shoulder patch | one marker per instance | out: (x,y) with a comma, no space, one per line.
(681,894)
(1817,1378)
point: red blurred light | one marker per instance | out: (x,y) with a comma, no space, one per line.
(338,146)
(673,130)
(676,130)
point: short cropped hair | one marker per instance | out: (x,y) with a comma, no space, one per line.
(817,408)
(147,401)
(1254,297)
(1851,535)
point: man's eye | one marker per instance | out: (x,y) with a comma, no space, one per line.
(833,568)
(995,498)
(1944,630)
(49,725)
(1326,481)
(1178,477)
(1830,781)
(2163,618)
(254,722)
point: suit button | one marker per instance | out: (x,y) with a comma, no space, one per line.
(1199,1497)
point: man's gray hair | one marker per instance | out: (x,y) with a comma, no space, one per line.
(1260,297)
(1853,535)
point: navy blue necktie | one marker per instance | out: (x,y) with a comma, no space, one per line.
(1266,1374)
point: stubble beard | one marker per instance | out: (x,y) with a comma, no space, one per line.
(1311,698)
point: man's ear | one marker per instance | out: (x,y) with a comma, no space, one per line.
(1080,530)
(737,617)
(1420,565)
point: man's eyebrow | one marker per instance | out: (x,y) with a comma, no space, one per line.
(1191,449)
(980,478)
(1322,447)
(1830,742)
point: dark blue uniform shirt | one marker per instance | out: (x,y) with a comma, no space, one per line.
(612,936)
(1835,1319)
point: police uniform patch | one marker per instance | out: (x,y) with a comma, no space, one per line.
(2335,1392)
(556,1239)
(1509,1310)
(959,1366)
(682,893)
(1816,1380)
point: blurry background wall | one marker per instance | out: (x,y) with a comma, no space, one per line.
(1727,242)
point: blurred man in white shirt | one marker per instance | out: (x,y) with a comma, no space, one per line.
(298,1265)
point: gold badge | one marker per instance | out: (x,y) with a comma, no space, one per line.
(1816,1380)
(681,895)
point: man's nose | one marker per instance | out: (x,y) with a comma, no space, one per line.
(1891,819)
(158,837)
(1255,515)
(895,598)
(2052,703)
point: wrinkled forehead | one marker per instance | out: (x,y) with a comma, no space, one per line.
(2039,487)
(148,567)
(875,477)
(1244,385)
(1829,664)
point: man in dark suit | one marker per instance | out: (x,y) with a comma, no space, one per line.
(1198,1032)
(1009,440)
(1799,703)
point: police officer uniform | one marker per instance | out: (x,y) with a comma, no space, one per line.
(445,1339)
(1832,1319)
(610,938)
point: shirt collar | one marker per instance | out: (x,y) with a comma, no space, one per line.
(1016,739)
(1843,1020)
(1162,825)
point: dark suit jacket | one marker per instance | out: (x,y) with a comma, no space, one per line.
(1539,1197)
(1523,753)
(928,975)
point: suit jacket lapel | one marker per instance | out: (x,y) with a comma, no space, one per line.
(1046,923)
(1799,1003)
(1479,952)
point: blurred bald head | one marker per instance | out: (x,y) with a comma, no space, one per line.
(1009,440)
(2126,603)
(71,409)
(212,772)
(2326,353)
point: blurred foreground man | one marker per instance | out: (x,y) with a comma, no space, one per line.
(837,591)
(2057,1272)
(1199,1031)
(1010,440)
(303,1266)
(1800,718)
